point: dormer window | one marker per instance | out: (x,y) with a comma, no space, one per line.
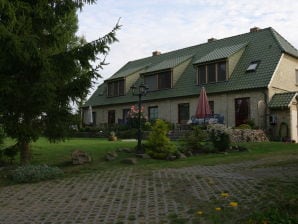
(116,88)
(159,80)
(253,66)
(212,72)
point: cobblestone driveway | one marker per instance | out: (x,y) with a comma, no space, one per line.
(132,196)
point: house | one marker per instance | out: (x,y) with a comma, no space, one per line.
(248,77)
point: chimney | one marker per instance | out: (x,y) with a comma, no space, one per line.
(155,53)
(211,39)
(254,29)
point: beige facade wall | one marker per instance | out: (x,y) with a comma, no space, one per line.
(284,77)
(130,80)
(224,104)
(233,60)
(178,70)
(294,121)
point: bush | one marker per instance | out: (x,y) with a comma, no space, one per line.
(159,145)
(2,136)
(34,173)
(195,140)
(219,136)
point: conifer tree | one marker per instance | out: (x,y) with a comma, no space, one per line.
(44,67)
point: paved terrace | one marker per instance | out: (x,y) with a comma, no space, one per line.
(137,196)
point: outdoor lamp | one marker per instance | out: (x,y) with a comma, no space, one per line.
(142,91)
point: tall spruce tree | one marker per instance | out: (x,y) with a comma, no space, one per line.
(43,67)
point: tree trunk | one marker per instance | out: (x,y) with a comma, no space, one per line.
(25,156)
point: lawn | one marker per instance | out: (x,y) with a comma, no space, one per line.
(59,154)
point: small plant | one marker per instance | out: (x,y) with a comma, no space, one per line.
(219,136)
(34,173)
(112,136)
(195,140)
(159,145)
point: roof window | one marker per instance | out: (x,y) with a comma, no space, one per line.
(253,66)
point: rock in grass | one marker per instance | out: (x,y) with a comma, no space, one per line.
(80,157)
(111,156)
(129,161)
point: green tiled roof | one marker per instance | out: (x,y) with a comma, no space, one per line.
(220,53)
(281,100)
(168,63)
(127,71)
(265,46)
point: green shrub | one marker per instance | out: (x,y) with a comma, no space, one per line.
(195,140)
(159,145)
(2,136)
(34,173)
(11,152)
(219,136)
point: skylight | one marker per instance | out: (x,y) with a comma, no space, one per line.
(253,66)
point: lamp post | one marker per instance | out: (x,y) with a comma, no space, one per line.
(142,91)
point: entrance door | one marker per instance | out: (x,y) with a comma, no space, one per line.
(111,117)
(183,113)
(242,111)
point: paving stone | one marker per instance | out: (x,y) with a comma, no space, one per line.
(134,196)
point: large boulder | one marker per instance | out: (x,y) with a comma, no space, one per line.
(80,157)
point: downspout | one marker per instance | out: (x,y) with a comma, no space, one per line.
(266,109)
(227,109)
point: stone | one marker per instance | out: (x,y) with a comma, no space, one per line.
(171,157)
(111,156)
(80,157)
(131,161)
(181,155)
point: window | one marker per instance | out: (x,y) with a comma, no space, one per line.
(111,117)
(153,113)
(183,113)
(151,81)
(242,111)
(202,75)
(253,66)
(211,68)
(213,72)
(164,80)
(116,88)
(221,71)
(158,81)
(211,105)
(296,76)
(125,115)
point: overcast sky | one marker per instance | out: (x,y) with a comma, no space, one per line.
(166,25)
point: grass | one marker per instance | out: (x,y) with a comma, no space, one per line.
(59,154)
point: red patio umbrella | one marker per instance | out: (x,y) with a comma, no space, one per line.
(203,108)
